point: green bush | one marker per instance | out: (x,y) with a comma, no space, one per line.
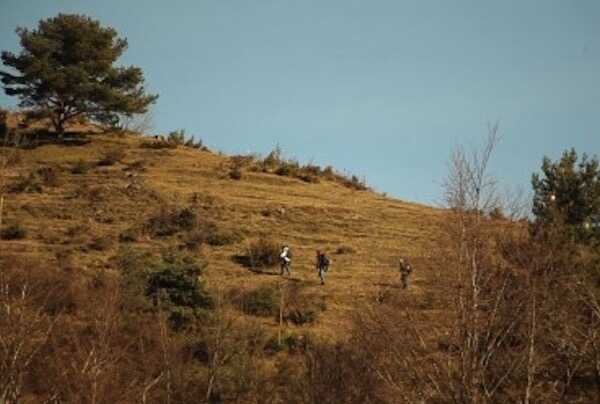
(171,283)
(176,137)
(191,143)
(176,280)
(263,252)
(262,302)
(13,232)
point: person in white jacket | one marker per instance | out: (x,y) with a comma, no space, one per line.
(285,260)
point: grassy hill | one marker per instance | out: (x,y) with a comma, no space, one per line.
(84,202)
(89,275)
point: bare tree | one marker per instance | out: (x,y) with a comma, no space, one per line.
(25,326)
(221,345)
(491,301)
(89,352)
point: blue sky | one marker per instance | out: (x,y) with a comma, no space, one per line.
(382,89)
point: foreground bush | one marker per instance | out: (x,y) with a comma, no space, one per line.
(172,283)
(178,275)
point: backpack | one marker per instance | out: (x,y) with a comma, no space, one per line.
(324,262)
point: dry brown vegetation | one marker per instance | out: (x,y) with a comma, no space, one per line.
(88,207)
(153,278)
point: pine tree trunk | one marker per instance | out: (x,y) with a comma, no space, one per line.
(60,129)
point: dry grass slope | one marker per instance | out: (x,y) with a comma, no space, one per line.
(84,213)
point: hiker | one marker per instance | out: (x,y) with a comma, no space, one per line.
(405,271)
(285,258)
(322,265)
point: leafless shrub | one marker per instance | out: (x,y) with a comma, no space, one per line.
(263,253)
(26,325)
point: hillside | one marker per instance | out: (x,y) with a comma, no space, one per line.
(127,275)
(85,210)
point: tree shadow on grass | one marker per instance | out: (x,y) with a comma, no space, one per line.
(247,263)
(42,137)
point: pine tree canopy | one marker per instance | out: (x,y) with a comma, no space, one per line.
(66,69)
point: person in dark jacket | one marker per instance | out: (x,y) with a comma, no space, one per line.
(405,271)
(322,265)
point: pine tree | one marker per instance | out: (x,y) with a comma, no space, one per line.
(66,69)
(568,192)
